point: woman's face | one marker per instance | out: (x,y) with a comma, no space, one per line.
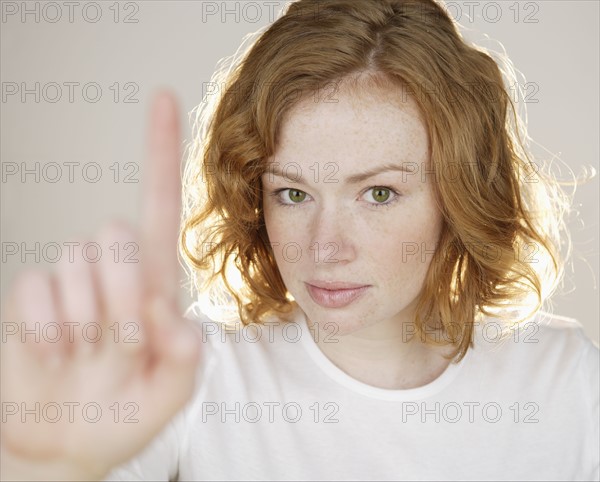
(348,198)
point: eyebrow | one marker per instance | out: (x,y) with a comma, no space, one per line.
(292,174)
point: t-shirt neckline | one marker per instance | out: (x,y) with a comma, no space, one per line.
(341,377)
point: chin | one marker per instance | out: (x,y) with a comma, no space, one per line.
(335,322)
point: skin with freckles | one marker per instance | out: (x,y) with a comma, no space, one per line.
(363,231)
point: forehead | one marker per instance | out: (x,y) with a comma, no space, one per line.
(371,125)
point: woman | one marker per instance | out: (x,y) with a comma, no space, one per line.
(363,171)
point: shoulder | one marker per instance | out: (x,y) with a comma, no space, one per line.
(549,348)
(545,334)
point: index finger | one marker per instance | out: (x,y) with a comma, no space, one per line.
(161,199)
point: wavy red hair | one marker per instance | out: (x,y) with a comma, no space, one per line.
(496,201)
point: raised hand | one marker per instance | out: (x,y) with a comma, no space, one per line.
(75,406)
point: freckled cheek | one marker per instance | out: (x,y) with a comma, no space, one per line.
(287,240)
(400,251)
(281,228)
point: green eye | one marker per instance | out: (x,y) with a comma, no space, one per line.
(296,196)
(380,194)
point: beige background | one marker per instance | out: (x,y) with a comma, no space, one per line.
(172,45)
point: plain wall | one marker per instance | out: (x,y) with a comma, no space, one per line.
(177,44)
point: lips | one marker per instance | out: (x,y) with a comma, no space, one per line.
(335,294)
(334,285)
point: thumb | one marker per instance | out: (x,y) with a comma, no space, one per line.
(176,349)
(173,338)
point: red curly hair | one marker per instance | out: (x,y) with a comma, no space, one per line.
(497,202)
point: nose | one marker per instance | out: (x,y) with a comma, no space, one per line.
(332,240)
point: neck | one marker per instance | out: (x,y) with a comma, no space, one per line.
(385,355)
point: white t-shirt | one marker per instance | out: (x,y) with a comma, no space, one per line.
(276,408)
